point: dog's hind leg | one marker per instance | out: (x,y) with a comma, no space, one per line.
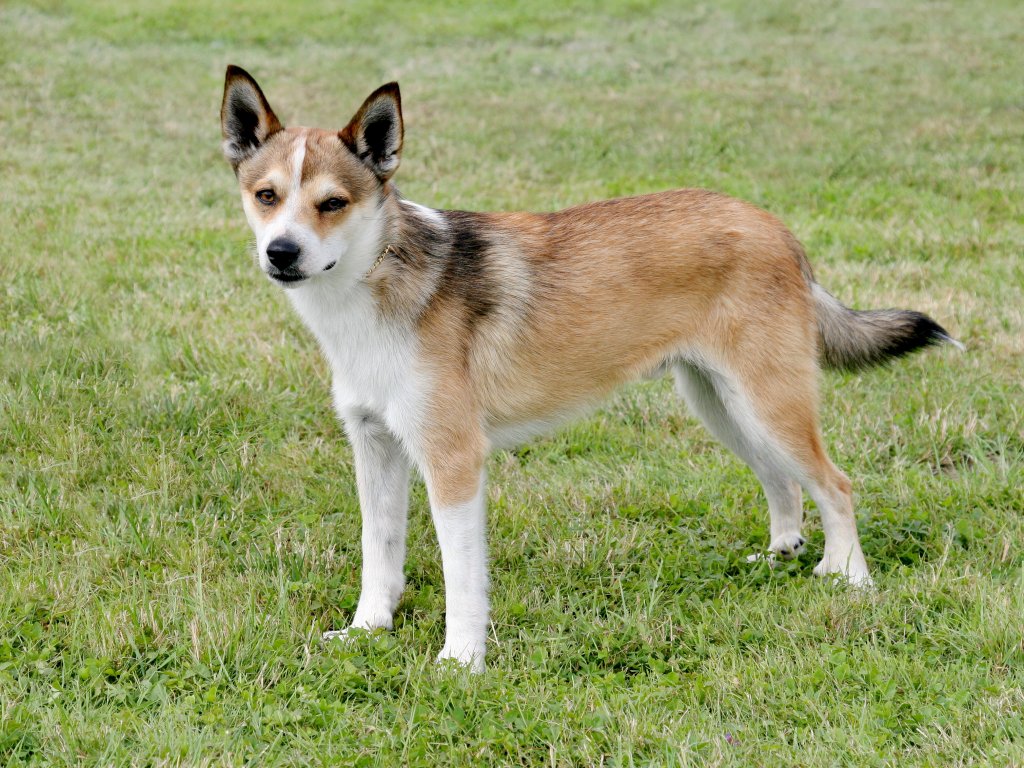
(772,399)
(382,479)
(785,499)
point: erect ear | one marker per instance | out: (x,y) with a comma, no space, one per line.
(246,119)
(375,133)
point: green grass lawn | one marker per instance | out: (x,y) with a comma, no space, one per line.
(178,520)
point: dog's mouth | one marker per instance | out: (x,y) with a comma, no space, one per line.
(287,276)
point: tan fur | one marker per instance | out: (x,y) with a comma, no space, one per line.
(620,286)
(454,440)
(616,289)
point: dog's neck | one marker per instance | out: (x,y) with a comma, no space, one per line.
(414,245)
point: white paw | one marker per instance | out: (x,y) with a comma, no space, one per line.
(469,655)
(850,568)
(349,633)
(786,547)
(342,635)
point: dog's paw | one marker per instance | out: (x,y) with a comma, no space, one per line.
(350,633)
(851,569)
(788,545)
(470,657)
(341,635)
(784,547)
(370,616)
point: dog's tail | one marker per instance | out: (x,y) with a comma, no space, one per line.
(851,339)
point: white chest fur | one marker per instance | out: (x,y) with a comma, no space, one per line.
(374,363)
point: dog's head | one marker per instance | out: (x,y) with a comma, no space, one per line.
(312,197)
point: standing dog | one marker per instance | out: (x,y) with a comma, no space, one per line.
(449,333)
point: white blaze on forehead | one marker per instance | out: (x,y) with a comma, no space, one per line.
(298,158)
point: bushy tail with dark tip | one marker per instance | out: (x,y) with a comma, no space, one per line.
(851,339)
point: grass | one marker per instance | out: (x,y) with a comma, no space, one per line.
(177,515)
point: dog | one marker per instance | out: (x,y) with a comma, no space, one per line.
(450,333)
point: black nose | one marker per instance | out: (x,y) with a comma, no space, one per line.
(283,252)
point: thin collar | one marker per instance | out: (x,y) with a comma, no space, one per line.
(388,249)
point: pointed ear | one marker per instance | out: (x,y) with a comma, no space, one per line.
(375,133)
(246,119)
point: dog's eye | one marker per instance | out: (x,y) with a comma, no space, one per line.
(266,196)
(332,204)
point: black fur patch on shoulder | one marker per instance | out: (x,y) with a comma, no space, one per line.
(465,273)
(417,245)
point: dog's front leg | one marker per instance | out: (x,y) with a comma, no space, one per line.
(456,487)
(382,478)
